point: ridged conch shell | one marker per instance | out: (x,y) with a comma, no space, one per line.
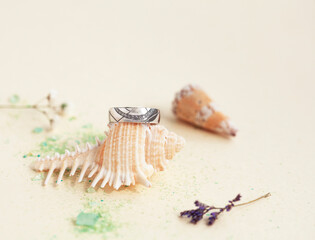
(130,154)
(193,105)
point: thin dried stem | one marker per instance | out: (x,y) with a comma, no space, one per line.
(264,196)
(242,204)
(37,108)
(17,106)
(23,106)
(49,110)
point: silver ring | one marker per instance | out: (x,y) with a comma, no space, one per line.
(134,114)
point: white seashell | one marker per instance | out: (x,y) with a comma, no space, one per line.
(130,154)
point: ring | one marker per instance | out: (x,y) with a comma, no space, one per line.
(134,114)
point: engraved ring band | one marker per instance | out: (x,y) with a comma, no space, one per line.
(134,115)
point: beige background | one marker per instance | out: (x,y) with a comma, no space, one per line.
(255,58)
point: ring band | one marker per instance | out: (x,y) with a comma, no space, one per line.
(134,114)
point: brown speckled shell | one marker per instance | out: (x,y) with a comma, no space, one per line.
(193,105)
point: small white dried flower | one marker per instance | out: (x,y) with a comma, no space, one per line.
(65,108)
(51,97)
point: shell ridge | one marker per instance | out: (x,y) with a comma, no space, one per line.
(117,180)
(126,157)
(115,156)
(122,160)
(138,158)
(108,151)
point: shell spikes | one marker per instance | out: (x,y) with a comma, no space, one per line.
(80,158)
(130,154)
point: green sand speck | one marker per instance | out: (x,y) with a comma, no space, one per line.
(90,190)
(87,219)
(53,237)
(38,130)
(94,219)
(38,177)
(89,125)
(72,118)
(14,99)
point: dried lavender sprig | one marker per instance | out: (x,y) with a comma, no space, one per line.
(197,214)
(49,110)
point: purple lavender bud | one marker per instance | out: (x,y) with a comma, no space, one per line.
(237,198)
(184,213)
(228,207)
(211,220)
(196,215)
(190,213)
(200,205)
(214,214)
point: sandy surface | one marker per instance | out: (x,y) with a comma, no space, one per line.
(256,59)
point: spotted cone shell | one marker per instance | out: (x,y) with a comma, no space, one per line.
(193,105)
(130,154)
